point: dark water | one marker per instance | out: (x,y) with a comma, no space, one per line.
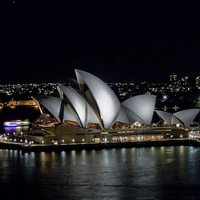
(132,173)
(18,112)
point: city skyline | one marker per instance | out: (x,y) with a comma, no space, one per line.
(134,41)
(175,93)
(70,80)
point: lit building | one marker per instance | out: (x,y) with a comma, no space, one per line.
(173,77)
(198,82)
(94,113)
(183,118)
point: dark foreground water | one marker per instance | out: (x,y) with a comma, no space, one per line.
(132,173)
(119,174)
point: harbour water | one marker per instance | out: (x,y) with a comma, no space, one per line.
(127,173)
(170,172)
(18,112)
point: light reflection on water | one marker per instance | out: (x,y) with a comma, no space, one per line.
(17,129)
(127,173)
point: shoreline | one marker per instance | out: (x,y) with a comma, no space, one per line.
(95,146)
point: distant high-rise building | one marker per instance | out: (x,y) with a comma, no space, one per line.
(173,85)
(198,82)
(173,77)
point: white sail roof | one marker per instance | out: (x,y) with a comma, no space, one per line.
(175,120)
(184,117)
(70,115)
(106,100)
(52,104)
(122,117)
(132,117)
(142,106)
(187,116)
(82,108)
(95,102)
(78,104)
(166,116)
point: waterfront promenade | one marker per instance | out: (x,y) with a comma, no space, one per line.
(95,146)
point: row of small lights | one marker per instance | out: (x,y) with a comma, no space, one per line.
(5,137)
(12,140)
(143,137)
(73,140)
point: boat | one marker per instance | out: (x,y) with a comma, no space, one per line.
(14,123)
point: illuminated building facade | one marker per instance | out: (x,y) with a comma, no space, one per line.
(92,110)
(183,118)
(96,103)
(198,82)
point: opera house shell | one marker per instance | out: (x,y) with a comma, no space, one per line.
(94,108)
(184,117)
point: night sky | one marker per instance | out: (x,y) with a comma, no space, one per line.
(118,41)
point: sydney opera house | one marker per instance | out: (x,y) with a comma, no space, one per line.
(91,112)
